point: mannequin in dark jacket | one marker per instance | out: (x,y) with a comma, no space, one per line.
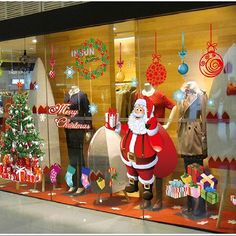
(75,137)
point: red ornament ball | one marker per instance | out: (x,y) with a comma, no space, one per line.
(156,72)
(13,150)
(52,74)
(211,64)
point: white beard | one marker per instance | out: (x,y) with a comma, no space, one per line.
(137,126)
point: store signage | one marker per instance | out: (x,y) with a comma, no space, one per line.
(91,58)
(64,122)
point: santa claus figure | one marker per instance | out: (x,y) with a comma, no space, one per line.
(140,147)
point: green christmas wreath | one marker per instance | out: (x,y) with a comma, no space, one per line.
(82,61)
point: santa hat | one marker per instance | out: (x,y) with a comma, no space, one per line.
(147,104)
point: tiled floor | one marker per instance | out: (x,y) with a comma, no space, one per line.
(20,214)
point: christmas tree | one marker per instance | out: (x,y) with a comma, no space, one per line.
(21,139)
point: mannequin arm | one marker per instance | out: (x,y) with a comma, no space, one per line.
(171,117)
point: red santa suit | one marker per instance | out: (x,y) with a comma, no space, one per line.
(138,152)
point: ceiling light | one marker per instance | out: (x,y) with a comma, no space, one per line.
(34,41)
(114,28)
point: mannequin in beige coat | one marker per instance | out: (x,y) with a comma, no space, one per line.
(192,135)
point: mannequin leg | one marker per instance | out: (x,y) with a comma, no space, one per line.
(195,205)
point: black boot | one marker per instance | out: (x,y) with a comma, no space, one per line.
(132,186)
(147,193)
(158,186)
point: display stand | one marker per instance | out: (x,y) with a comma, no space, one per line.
(17,186)
(222,200)
(43,182)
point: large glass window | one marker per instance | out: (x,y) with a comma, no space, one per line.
(134,118)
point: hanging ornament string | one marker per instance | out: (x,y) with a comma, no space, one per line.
(211,63)
(52,73)
(183,67)
(156,72)
(120,63)
(155,42)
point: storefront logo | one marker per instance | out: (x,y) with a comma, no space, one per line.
(91,59)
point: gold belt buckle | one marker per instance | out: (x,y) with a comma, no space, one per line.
(131,156)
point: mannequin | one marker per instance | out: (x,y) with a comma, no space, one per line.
(161,102)
(192,136)
(75,137)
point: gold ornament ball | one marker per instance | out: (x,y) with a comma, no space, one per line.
(120,76)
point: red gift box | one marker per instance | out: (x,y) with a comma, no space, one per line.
(20,174)
(30,177)
(1,168)
(195,170)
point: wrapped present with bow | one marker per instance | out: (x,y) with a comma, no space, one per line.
(208,180)
(195,170)
(195,190)
(176,189)
(210,195)
(20,174)
(233,199)
(112,118)
(186,178)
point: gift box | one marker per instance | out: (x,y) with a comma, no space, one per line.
(233,199)
(208,180)
(30,177)
(1,168)
(210,195)
(6,159)
(176,189)
(195,170)
(20,174)
(186,178)
(112,117)
(195,190)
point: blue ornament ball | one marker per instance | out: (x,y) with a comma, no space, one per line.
(183,69)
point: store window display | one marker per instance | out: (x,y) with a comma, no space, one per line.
(75,137)
(94,171)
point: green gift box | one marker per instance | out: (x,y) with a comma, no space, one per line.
(211,197)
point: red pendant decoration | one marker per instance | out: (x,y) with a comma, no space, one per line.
(52,73)
(120,76)
(211,63)
(156,72)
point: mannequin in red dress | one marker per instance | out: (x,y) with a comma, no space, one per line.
(161,103)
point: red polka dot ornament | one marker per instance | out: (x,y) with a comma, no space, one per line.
(156,72)
(211,63)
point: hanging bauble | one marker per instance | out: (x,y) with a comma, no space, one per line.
(52,74)
(183,68)
(120,76)
(211,63)
(156,72)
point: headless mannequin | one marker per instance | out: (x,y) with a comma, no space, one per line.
(194,105)
(75,139)
(149,91)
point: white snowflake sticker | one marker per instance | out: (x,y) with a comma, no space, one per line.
(69,72)
(42,117)
(93,108)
